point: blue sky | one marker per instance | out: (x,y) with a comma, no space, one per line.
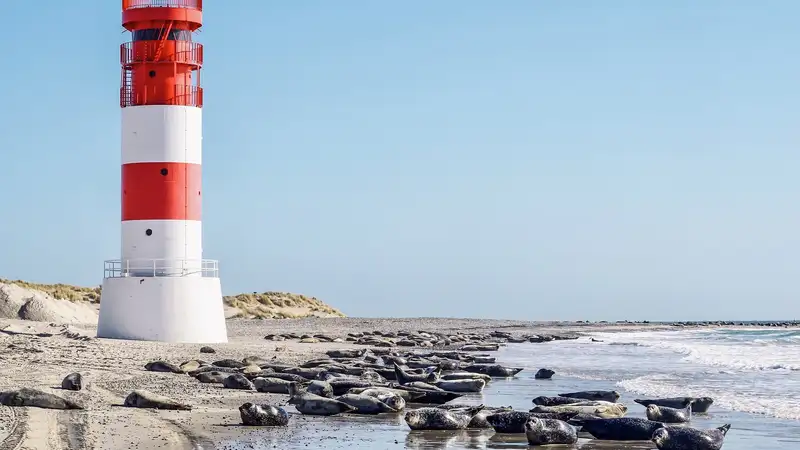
(516,159)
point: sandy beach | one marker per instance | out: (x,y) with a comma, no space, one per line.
(39,355)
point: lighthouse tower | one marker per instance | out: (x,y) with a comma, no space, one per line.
(161,289)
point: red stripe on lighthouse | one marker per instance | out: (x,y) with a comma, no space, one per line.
(161,191)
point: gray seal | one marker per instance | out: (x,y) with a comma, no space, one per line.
(699,404)
(620,429)
(508,421)
(478,420)
(162,366)
(238,381)
(686,438)
(391,398)
(272,385)
(556,401)
(549,432)
(211,377)
(544,374)
(72,382)
(669,415)
(364,404)
(145,399)
(321,388)
(263,415)
(35,398)
(312,404)
(461,385)
(608,396)
(494,370)
(440,419)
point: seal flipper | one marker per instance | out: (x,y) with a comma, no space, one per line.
(724,429)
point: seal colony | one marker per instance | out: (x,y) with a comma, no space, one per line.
(421,377)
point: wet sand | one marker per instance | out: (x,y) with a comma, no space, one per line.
(39,355)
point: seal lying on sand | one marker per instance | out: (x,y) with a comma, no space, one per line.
(238,381)
(685,438)
(669,415)
(35,398)
(387,396)
(622,429)
(461,385)
(608,396)
(494,370)
(404,377)
(605,410)
(555,401)
(364,404)
(478,420)
(72,382)
(263,415)
(145,399)
(699,404)
(549,431)
(316,405)
(440,419)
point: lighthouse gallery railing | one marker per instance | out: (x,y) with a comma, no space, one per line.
(116,268)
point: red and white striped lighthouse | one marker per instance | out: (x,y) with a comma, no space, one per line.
(161,288)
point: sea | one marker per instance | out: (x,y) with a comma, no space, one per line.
(752,374)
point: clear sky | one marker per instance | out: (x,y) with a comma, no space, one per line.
(512,159)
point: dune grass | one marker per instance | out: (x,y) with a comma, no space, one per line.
(265,305)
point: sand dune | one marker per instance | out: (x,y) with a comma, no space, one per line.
(66,304)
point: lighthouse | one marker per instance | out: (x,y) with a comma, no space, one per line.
(161,288)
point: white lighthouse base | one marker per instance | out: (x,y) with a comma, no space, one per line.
(166,309)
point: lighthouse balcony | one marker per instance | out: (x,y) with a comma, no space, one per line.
(134,4)
(157,51)
(139,268)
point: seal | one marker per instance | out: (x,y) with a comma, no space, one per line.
(549,432)
(238,381)
(555,401)
(273,385)
(620,429)
(478,420)
(72,382)
(494,370)
(508,421)
(544,374)
(263,415)
(211,377)
(466,376)
(387,396)
(608,396)
(461,385)
(404,377)
(600,409)
(162,366)
(35,398)
(440,419)
(141,398)
(686,438)
(699,404)
(321,388)
(207,349)
(340,386)
(364,404)
(431,397)
(669,415)
(316,405)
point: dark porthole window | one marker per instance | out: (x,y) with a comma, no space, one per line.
(149,232)
(164,171)
(152,74)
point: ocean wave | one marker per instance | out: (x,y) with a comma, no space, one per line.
(746,354)
(658,385)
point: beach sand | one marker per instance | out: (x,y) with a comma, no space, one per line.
(39,355)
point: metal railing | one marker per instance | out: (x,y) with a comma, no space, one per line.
(179,95)
(182,52)
(116,268)
(134,4)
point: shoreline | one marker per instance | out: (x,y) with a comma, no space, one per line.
(38,355)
